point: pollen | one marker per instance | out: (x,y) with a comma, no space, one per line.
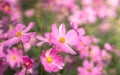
(14,57)
(18,34)
(6,8)
(89,70)
(92,53)
(62,40)
(49,59)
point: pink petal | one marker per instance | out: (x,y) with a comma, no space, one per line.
(41,38)
(81,31)
(25,38)
(71,37)
(55,31)
(40,43)
(62,30)
(30,26)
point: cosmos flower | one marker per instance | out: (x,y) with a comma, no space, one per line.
(89,69)
(19,33)
(14,57)
(51,61)
(63,40)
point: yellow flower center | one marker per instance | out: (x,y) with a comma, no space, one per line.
(18,34)
(62,40)
(49,59)
(92,53)
(14,57)
(89,70)
(6,8)
(26,63)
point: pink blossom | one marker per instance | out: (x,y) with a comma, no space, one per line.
(95,54)
(104,27)
(14,58)
(5,7)
(87,2)
(83,52)
(19,33)
(108,47)
(113,3)
(51,61)
(89,69)
(106,57)
(29,13)
(62,39)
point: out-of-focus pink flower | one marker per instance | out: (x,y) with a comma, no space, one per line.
(27,62)
(29,13)
(12,1)
(90,14)
(14,57)
(106,57)
(51,61)
(15,13)
(65,3)
(77,17)
(84,52)
(113,3)
(108,47)
(82,42)
(5,7)
(111,13)
(87,2)
(62,39)
(68,59)
(89,69)
(19,33)
(104,27)
(95,54)
(93,39)
(31,71)
(101,11)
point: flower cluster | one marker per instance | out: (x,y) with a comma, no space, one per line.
(64,45)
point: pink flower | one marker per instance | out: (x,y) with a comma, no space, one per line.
(104,27)
(27,62)
(29,13)
(77,17)
(14,57)
(90,14)
(95,54)
(108,47)
(106,57)
(62,39)
(84,52)
(51,61)
(31,71)
(5,7)
(65,3)
(89,69)
(87,2)
(19,33)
